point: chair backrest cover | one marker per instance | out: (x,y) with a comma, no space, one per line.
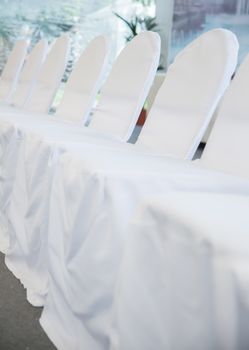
(84,82)
(12,69)
(187,99)
(29,74)
(49,77)
(228,144)
(127,86)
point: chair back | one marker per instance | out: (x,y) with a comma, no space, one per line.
(49,77)
(84,82)
(187,99)
(12,69)
(228,144)
(29,74)
(125,90)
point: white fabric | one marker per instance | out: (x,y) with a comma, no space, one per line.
(84,82)
(12,69)
(227,147)
(39,100)
(220,71)
(35,158)
(87,84)
(148,42)
(90,210)
(49,77)
(116,85)
(185,270)
(80,91)
(127,87)
(91,205)
(186,101)
(93,194)
(29,74)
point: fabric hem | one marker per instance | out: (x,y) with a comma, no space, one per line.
(53,333)
(35,298)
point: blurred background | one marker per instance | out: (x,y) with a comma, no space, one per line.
(177,21)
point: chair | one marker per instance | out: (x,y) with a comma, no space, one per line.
(80,93)
(49,77)
(189,96)
(182,121)
(121,116)
(226,149)
(29,74)
(80,90)
(84,82)
(124,93)
(186,259)
(39,99)
(197,229)
(41,92)
(218,220)
(12,69)
(226,46)
(97,199)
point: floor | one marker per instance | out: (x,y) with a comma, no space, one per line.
(19,321)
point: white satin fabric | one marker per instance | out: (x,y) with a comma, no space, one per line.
(13,142)
(70,213)
(92,203)
(183,281)
(224,43)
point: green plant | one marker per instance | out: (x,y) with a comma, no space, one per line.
(136,24)
(7,32)
(49,25)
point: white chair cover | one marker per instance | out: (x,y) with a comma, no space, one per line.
(228,144)
(209,234)
(12,69)
(29,74)
(82,87)
(89,214)
(34,165)
(104,210)
(148,41)
(93,199)
(84,82)
(185,269)
(39,100)
(199,113)
(49,77)
(124,93)
(186,101)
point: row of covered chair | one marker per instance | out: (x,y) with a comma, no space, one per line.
(84,83)
(109,274)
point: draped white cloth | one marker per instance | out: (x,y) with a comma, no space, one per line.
(183,281)
(92,202)
(78,210)
(15,125)
(167,113)
(86,212)
(28,163)
(66,210)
